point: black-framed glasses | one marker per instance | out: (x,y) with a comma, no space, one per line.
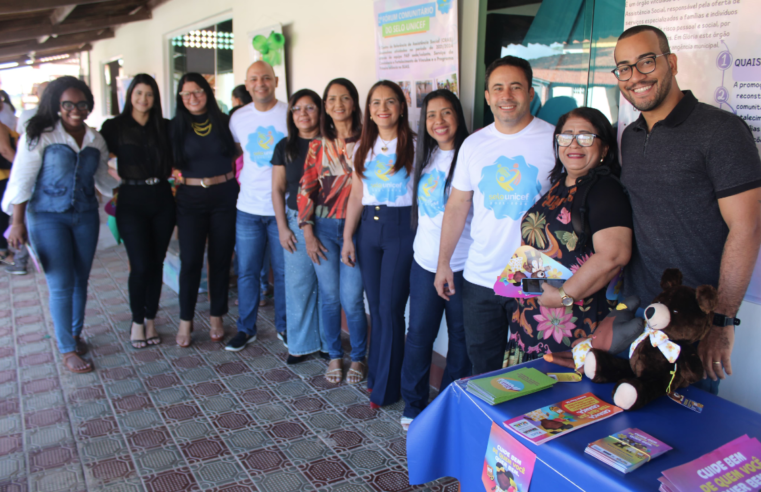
(309,108)
(81,105)
(644,65)
(583,139)
(188,94)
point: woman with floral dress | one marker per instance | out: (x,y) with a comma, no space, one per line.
(585,145)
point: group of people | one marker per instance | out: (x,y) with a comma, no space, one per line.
(352,202)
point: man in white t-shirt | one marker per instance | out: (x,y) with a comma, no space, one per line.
(501,170)
(257,128)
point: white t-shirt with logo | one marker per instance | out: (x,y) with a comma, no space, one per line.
(507,175)
(257,133)
(431,200)
(381,185)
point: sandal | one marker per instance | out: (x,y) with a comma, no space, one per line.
(215,335)
(184,341)
(138,343)
(406,421)
(355,376)
(334,376)
(75,364)
(154,340)
(81,345)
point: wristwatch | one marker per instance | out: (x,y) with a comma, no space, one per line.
(565,299)
(722,320)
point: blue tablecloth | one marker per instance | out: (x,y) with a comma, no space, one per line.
(449,438)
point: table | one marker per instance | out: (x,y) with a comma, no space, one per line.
(449,438)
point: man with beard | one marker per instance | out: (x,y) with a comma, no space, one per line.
(694,177)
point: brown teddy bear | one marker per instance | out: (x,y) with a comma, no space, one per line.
(664,358)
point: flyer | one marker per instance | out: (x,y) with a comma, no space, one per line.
(528,262)
(417,47)
(508,464)
(508,386)
(547,423)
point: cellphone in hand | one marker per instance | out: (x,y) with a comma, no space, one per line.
(534,285)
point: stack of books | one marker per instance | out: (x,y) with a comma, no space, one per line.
(510,385)
(627,450)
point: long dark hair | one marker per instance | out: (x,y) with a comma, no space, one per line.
(156,116)
(604,132)
(7,100)
(405,147)
(242,95)
(428,144)
(327,127)
(181,124)
(47,112)
(292,140)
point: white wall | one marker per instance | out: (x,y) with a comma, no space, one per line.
(742,388)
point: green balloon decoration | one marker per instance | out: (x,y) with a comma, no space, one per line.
(271,47)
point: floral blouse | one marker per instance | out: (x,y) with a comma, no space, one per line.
(547,227)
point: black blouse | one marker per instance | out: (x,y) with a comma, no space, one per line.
(138,148)
(205,156)
(294,169)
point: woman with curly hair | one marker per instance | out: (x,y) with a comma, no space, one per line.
(59,163)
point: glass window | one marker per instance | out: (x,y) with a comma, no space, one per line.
(208,51)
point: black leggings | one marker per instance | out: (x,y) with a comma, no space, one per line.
(206,214)
(145,215)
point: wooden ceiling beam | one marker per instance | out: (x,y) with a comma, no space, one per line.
(16,6)
(72,40)
(48,29)
(23,61)
(59,15)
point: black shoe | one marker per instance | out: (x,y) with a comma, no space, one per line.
(324,356)
(283,337)
(295,359)
(239,342)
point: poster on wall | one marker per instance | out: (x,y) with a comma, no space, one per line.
(268,44)
(416,47)
(718,48)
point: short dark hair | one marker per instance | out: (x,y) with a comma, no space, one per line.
(510,61)
(663,41)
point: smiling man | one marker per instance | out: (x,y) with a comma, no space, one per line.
(694,177)
(256,128)
(501,170)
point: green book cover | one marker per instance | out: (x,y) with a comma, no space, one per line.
(509,385)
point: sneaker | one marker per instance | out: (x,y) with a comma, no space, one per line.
(16,269)
(239,342)
(283,337)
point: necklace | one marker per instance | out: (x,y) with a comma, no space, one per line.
(385,144)
(202,129)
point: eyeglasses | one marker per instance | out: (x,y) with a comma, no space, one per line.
(187,94)
(81,105)
(583,139)
(309,108)
(644,65)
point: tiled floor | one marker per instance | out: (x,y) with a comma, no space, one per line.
(171,419)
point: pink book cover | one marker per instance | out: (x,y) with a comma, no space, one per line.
(508,464)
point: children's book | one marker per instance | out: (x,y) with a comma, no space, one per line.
(627,450)
(527,262)
(509,385)
(508,464)
(547,423)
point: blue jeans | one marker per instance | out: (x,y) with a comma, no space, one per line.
(302,312)
(65,243)
(252,232)
(426,309)
(265,275)
(340,286)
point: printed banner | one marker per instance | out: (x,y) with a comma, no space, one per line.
(719,59)
(416,47)
(268,44)
(508,464)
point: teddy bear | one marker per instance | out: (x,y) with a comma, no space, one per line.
(664,357)
(613,334)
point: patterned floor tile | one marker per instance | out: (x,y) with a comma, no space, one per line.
(216,405)
(90,410)
(181,412)
(118,389)
(233,421)
(192,430)
(325,421)
(264,363)
(11,424)
(264,460)
(326,471)
(271,412)
(12,467)
(87,393)
(102,472)
(147,356)
(344,396)
(367,460)
(100,449)
(243,382)
(158,460)
(215,473)
(345,439)
(171,396)
(43,401)
(381,429)
(302,451)
(142,419)
(279,375)
(208,389)
(53,457)
(307,405)
(287,430)
(43,418)
(245,440)
(37,372)
(178,480)
(11,444)
(197,374)
(391,480)
(161,381)
(68,479)
(293,389)
(242,486)
(204,449)
(155,368)
(90,429)
(117,374)
(353,485)
(132,403)
(288,480)
(145,439)
(256,396)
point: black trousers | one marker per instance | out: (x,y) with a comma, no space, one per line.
(487,324)
(145,216)
(206,214)
(4,219)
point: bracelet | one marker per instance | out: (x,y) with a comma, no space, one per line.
(722,320)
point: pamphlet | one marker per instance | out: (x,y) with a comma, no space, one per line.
(508,464)
(735,467)
(509,385)
(627,450)
(561,418)
(527,262)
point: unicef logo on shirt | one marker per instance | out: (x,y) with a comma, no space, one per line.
(509,187)
(261,145)
(382,182)
(430,193)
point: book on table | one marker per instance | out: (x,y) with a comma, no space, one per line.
(510,385)
(627,450)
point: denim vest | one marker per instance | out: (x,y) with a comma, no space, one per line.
(66,180)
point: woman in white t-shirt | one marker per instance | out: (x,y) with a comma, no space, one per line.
(381,195)
(442,131)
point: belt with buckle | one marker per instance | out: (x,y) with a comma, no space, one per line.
(149,181)
(206,182)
